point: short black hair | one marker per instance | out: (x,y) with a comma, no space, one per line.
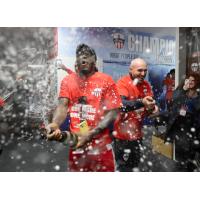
(172,71)
(81,48)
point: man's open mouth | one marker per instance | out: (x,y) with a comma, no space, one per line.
(84,63)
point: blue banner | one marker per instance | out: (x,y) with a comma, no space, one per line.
(116,47)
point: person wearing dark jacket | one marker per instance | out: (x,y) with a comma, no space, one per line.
(183,124)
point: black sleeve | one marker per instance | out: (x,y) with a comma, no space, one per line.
(130,105)
(179,94)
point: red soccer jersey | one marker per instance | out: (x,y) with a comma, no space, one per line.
(170,85)
(128,125)
(101,95)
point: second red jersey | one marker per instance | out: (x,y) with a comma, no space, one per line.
(128,125)
(170,86)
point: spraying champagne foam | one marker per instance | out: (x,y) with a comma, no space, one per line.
(135,81)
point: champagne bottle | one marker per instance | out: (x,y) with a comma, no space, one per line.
(69,138)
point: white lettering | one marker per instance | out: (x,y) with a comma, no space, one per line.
(75,115)
(88,109)
(145,43)
(131,42)
(154,46)
(162,50)
(76,107)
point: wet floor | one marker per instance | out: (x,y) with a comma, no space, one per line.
(34,154)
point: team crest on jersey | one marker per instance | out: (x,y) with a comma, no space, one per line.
(97,92)
(118,40)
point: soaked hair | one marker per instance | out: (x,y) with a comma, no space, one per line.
(172,71)
(84,48)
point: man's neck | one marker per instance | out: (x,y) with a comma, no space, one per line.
(85,76)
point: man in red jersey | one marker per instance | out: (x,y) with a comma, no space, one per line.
(169,82)
(91,98)
(138,102)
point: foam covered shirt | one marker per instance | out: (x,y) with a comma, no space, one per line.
(101,95)
(128,125)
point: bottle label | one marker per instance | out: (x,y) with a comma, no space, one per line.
(84,128)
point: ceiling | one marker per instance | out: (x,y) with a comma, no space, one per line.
(161,31)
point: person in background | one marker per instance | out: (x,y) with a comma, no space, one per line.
(92,100)
(169,83)
(183,124)
(138,102)
(2,102)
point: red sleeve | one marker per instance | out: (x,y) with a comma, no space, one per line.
(112,99)
(122,89)
(166,81)
(68,70)
(2,102)
(64,88)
